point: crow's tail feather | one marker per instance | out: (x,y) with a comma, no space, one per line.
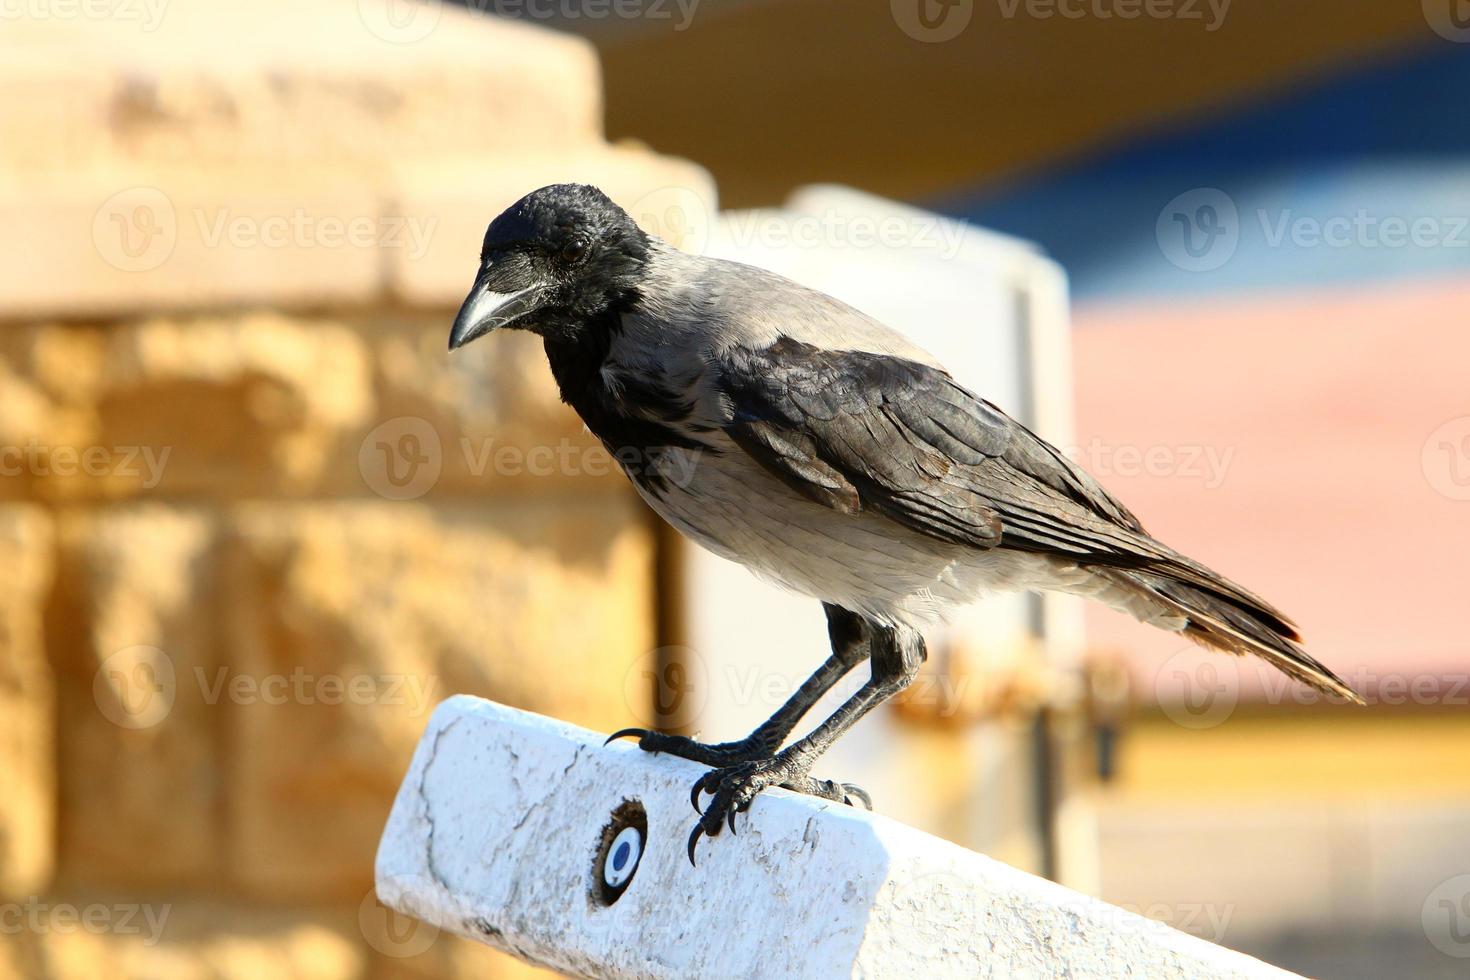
(1220,614)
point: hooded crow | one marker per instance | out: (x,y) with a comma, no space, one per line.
(789,432)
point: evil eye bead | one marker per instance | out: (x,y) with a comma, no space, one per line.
(619,849)
(622,857)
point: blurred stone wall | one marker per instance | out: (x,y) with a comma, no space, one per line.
(255,521)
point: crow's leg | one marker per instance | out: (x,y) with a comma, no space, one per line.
(851,641)
(897,653)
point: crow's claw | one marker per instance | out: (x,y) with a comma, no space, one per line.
(733,789)
(719,756)
(707,783)
(848,794)
(625,732)
(694,795)
(694,839)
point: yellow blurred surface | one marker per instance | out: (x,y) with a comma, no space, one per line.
(1331,752)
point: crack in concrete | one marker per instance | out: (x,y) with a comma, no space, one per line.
(811,834)
(515,757)
(526,816)
(427,807)
(515,765)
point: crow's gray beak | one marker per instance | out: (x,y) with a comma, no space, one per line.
(484,310)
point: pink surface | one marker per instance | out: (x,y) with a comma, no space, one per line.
(1311,446)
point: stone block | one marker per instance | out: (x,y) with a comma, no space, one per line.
(197,155)
(80,936)
(135,239)
(229,406)
(133,628)
(486,420)
(27,703)
(347,623)
(340,83)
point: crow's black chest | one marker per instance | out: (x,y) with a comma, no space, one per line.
(638,422)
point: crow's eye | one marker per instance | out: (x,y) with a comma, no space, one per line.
(574,250)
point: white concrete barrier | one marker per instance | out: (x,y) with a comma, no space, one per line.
(530,835)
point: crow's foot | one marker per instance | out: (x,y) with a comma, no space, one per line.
(735,787)
(720,756)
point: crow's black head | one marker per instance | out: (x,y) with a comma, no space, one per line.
(554,263)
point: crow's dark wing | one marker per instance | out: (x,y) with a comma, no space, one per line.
(859,431)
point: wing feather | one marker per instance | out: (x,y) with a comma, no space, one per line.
(859,430)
